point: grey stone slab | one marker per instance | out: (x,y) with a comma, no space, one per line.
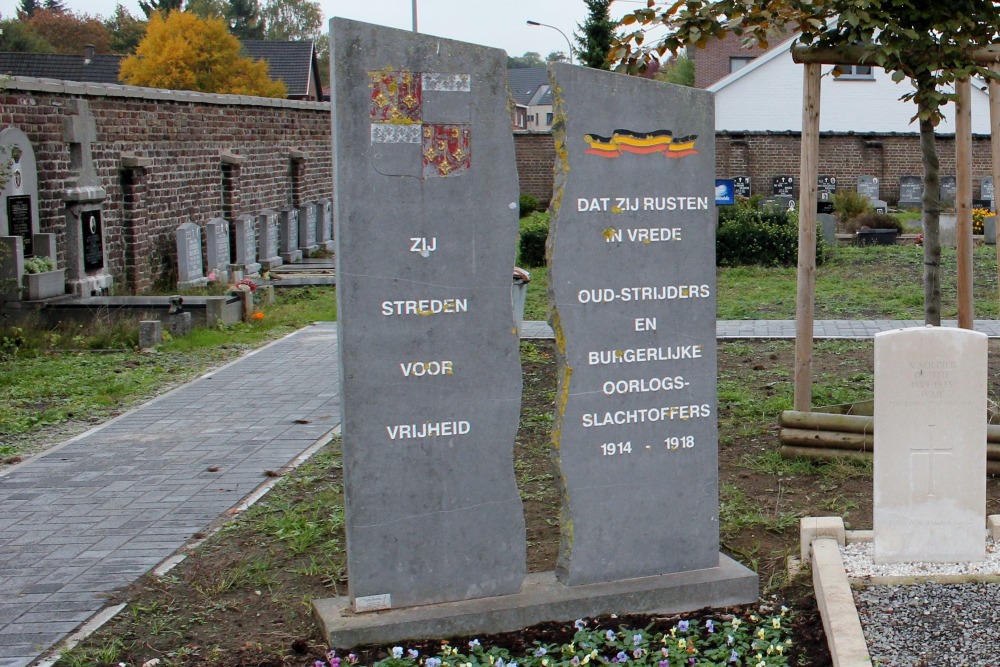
(324,224)
(245,240)
(190,267)
(869,186)
(949,185)
(632,287)
(268,239)
(288,235)
(217,250)
(424,279)
(929,502)
(308,232)
(542,599)
(911,191)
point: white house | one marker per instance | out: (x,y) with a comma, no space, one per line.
(765,95)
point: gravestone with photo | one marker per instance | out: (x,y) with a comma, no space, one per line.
(869,187)
(911,192)
(324,224)
(87,271)
(217,252)
(308,239)
(986,191)
(783,186)
(741,185)
(190,268)
(930,445)
(288,235)
(777,204)
(245,235)
(267,239)
(826,186)
(949,185)
(19,197)
(430,375)
(632,288)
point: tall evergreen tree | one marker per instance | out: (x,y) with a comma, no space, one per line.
(55,6)
(244,19)
(150,7)
(597,35)
(27,8)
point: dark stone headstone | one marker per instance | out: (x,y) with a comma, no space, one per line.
(632,286)
(93,240)
(430,374)
(827,184)
(986,191)
(949,185)
(19,208)
(783,186)
(825,187)
(911,192)
(869,186)
(741,185)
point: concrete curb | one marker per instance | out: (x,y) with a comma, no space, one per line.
(848,647)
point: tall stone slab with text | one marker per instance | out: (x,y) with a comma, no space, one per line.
(929,500)
(632,284)
(426,225)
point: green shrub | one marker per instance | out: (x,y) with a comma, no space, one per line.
(746,236)
(873,220)
(531,246)
(849,204)
(529,205)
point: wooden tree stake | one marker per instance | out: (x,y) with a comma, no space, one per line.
(963,201)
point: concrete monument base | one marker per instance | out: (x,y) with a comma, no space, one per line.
(542,598)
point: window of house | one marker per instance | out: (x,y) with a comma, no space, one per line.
(549,118)
(738,62)
(855,72)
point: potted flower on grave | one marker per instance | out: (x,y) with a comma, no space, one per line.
(875,228)
(42,280)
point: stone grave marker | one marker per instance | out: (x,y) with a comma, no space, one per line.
(245,233)
(308,239)
(267,237)
(430,374)
(632,286)
(324,224)
(930,445)
(783,186)
(777,203)
(741,185)
(869,186)
(826,186)
(911,192)
(190,268)
(986,191)
(11,267)
(86,253)
(880,206)
(19,205)
(217,248)
(949,186)
(828,225)
(288,235)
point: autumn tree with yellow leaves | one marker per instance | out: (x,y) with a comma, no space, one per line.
(184,52)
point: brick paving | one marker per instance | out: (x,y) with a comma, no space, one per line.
(101,510)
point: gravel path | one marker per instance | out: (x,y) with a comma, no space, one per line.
(928,624)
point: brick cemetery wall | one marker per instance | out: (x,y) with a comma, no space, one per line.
(169,156)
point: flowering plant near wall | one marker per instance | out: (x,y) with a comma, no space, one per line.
(979,215)
(754,640)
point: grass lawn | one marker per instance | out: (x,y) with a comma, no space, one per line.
(242,597)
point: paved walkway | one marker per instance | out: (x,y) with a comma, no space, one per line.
(104,508)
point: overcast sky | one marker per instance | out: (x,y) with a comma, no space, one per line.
(498,23)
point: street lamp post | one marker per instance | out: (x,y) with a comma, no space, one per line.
(415,16)
(568,43)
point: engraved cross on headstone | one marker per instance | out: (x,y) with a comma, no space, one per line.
(930,450)
(80,131)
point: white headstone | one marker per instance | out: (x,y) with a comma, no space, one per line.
(19,197)
(930,445)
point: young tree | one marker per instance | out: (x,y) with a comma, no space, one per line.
(184,52)
(69,32)
(556,57)
(126,30)
(597,35)
(529,59)
(286,20)
(932,44)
